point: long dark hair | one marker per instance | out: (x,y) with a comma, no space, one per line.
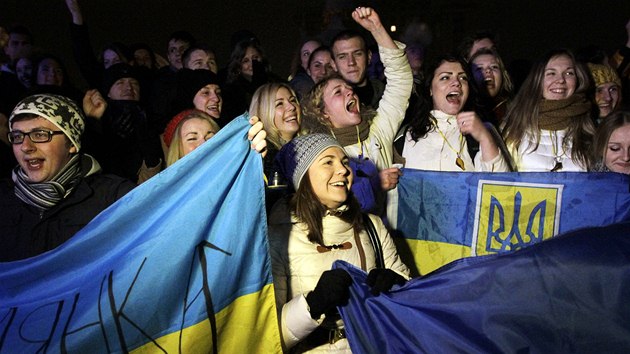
(309,210)
(296,61)
(423,123)
(234,67)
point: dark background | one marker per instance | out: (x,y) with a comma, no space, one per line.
(526,29)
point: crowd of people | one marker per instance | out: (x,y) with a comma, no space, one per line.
(333,138)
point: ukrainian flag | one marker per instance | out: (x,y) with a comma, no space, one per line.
(444,216)
(179,265)
(568,294)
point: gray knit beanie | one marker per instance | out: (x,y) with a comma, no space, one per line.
(298,155)
(60,110)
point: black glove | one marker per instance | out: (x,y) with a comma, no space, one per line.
(381,279)
(332,290)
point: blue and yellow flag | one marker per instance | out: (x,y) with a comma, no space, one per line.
(445,216)
(568,294)
(178,265)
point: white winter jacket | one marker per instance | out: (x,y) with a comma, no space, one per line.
(297,266)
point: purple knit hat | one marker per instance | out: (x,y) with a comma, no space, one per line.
(298,155)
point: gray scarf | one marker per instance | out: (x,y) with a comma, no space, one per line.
(45,195)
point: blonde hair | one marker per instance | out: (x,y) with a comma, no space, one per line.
(175,150)
(264,107)
(314,108)
(611,122)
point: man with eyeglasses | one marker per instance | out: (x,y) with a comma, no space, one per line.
(55,189)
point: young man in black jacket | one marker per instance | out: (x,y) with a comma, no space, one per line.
(55,189)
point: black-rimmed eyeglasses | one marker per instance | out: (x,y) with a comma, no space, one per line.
(16,137)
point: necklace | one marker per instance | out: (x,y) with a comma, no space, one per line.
(458,161)
(554,147)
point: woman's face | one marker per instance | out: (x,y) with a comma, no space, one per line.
(487,74)
(331,177)
(617,155)
(288,114)
(194,132)
(110,58)
(24,70)
(208,99)
(559,78)
(247,67)
(449,88)
(341,104)
(49,72)
(321,66)
(305,52)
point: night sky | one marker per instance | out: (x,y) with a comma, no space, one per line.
(526,28)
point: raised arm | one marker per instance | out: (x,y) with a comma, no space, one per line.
(395,99)
(82,49)
(75,11)
(369,19)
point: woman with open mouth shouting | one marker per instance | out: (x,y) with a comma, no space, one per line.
(493,84)
(367,136)
(436,139)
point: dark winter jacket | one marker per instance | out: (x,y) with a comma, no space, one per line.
(26,231)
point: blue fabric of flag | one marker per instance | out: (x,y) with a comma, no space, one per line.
(170,254)
(568,294)
(517,208)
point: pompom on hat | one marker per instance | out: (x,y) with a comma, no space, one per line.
(603,74)
(62,111)
(298,155)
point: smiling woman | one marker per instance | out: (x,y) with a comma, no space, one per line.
(612,143)
(316,226)
(186,132)
(549,125)
(279,110)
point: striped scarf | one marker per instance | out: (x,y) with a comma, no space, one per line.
(46,195)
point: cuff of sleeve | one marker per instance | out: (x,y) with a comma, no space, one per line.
(393,52)
(297,320)
(489,166)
